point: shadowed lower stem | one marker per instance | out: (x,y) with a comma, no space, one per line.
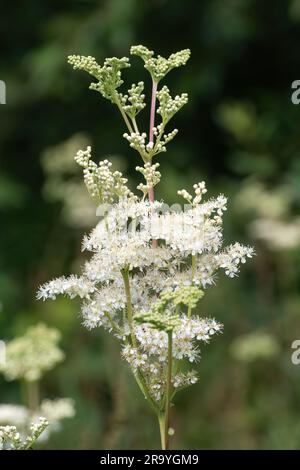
(138,375)
(164,417)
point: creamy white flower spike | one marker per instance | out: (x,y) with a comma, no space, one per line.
(121,242)
(149,264)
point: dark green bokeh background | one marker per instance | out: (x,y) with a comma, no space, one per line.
(238,129)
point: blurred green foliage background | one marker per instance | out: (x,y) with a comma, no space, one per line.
(239,132)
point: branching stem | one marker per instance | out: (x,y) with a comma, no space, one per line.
(152,111)
(129,126)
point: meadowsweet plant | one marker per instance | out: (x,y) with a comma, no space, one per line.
(149,265)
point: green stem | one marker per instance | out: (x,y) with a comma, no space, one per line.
(164,415)
(115,327)
(138,375)
(157,141)
(117,101)
(152,110)
(32,392)
(169,388)
(194,266)
(144,389)
(162,429)
(135,125)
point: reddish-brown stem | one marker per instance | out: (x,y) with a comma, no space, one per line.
(151,199)
(152,121)
(151,194)
(152,111)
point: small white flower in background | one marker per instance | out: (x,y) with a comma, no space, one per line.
(58,409)
(54,411)
(10,438)
(30,355)
(16,415)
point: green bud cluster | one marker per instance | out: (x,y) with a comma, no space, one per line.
(158,66)
(163,315)
(131,103)
(102,184)
(169,106)
(187,295)
(167,322)
(108,76)
(181,295)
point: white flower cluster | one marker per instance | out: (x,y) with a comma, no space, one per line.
(54,411)
(196,230)
(72,286)
(183,380)
(10,438)
(16,415)
(30,355)
(160,278)
(58,409)
(232,257)
(200,189)
(190,330)
(151,354)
